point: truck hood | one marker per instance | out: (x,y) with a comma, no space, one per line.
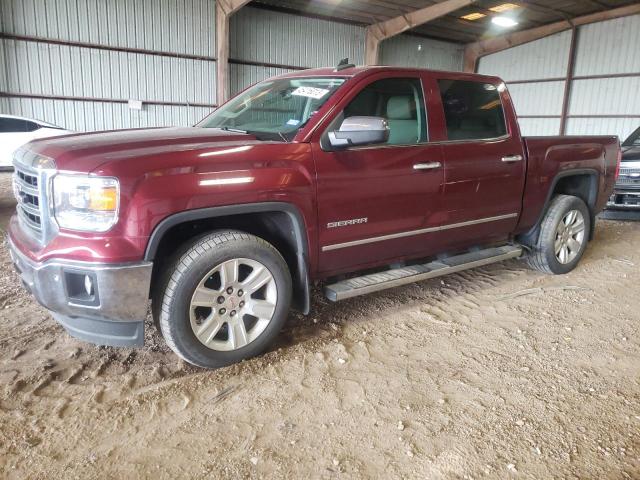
(86,152)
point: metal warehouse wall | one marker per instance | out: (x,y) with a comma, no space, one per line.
(264,43)
(76,64)
(270,43)
(413,51)
(610,50)
(602,92)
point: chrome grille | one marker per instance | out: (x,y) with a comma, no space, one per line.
(629,176)
(30,186)
(28,197)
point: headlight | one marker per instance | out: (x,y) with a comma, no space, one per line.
(85,203)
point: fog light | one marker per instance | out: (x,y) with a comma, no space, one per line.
(88,285)
(81,287)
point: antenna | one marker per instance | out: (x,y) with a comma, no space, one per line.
(344,63)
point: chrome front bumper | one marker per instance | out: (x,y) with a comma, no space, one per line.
(626,193)
(101,303)
(624,200)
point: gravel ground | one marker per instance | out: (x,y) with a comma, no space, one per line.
(499,372)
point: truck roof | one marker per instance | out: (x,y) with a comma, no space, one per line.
(367,70)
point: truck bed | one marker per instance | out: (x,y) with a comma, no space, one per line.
(550,157)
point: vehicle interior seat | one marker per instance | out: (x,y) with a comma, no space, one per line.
(402,119)
(475,127)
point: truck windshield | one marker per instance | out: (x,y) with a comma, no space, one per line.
(633,140)
(274,109)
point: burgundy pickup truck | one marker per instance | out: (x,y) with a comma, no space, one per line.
(366,178)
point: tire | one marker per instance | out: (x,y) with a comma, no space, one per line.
(544,256)
(224,265)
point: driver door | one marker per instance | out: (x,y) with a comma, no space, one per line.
(377,203)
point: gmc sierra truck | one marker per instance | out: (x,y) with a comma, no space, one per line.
(364,178)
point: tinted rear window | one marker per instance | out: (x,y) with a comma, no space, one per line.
(473,110)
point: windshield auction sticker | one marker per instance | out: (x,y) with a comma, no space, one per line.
(310,92)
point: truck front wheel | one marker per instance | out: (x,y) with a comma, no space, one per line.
(563,238)
(226,299)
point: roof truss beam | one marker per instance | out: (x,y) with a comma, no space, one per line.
(380,31)
(474,51)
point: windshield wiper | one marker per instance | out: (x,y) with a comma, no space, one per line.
(230,129)
(259,135)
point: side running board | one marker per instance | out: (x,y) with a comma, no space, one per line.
(415,273)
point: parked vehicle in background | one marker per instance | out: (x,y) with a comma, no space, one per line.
(16,131)
(383,176)
(626,194)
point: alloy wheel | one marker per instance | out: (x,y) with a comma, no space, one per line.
(233,304)
(570,235)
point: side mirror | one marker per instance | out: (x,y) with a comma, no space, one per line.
(360,131)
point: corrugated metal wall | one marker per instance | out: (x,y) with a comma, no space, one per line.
(541,60)
(82,59)
(607,105)
(412,51)
(77,63)
(89,116)
(544,58)
(180,26)
(267,36)
(263,36)
(608,48)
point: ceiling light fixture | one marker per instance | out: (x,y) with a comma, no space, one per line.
(504,22)
(505,7)
(473,16)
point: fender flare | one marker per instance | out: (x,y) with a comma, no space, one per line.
(532,233)
(300,234)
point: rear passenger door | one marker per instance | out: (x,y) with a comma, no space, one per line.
(484,160)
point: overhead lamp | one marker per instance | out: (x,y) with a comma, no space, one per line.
(473,16)
(504,22)
(504,7)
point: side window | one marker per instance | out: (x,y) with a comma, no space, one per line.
(400,102)
(473,110)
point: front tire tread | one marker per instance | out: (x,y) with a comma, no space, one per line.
(182,270)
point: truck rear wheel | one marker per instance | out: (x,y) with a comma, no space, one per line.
(564,235)
(226,299)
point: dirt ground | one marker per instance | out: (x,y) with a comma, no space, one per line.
(499,372)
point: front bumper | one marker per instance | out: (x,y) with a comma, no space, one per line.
(626,193)
(624,200)
(104,304)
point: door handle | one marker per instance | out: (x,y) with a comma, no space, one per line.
(512,158)
(427,166)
